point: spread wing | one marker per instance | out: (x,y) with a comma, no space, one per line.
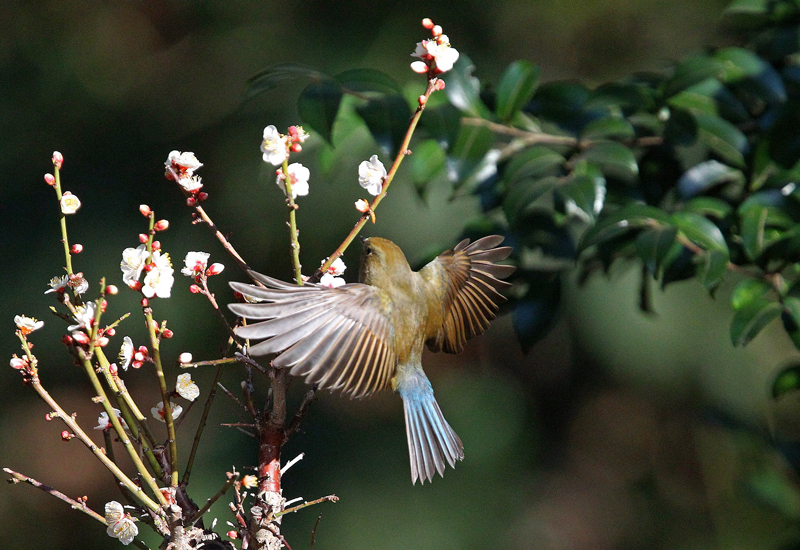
(470,290)
(337,338)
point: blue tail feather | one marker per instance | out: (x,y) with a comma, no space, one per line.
(431,440)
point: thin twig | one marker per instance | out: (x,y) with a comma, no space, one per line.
(331,498)
(203,419)
(232,477)
(80,506)
(314,532)
(294,425)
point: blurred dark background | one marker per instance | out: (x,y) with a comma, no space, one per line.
(619,430)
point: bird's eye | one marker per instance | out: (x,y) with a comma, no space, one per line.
(367,251)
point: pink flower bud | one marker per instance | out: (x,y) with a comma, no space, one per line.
(362,206)
(80,337)
(103,305)
(427,23)
(422,100)
(136,285)
(112,290)
(49,179)
(112,369)
(202,196)
(66,340)
(161,225)
(145,210)
(156,245)
(436,30)
(48,417)
(143,350)
(143,238)
(232,534)
(215,269)
(58,159)
(440,84)
(167,333)
(111,331)
(101,342)
(66,436)
(77,248)
(185,357)
(145,301)
(194,289)
(419,67)
(296,148)
(191,201)
(18,363)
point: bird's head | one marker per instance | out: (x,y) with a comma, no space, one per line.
(382,262)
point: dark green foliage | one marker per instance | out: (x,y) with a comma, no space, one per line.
(692,172)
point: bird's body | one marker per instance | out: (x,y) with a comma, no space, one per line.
(363,337)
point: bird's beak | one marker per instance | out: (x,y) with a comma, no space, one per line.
(363,239)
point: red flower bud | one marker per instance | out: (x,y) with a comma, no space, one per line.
(167,333)
(191,201)
(145,302)
(156,245)
(296,148)
(58,159)
(143,238)
(111,290)
(48,417)
(145,210)
(194,289)
(76,248)
(80,337)
(161,225)
(422,100)
(136,285)
(202,196)
(427,23)
(66,436)
(233,534)
(49,179)
(103,305)
(66,340)
(111,331)
(112,369)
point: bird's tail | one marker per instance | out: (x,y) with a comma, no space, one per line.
(431,440)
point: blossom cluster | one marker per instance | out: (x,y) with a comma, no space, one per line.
(158,279)
(120,523)
(437,55)
(180,166)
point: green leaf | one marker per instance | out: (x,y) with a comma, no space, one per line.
(704,176)
(709,207)
(616,160)
(694,102)
(633,216)
(367,81)
(753,223)
(426,161)
(787,381)
(791,319)
(700,231)
(584,195)
(387,119)
(278,75)
(516,88)
(748,290)
(468,151)
(713,265)
(534,162)
(653,246)
(443,123)
(318,106)
(524,194)
(464,90)
(610,127)
(751,319)
(723,138)
(691,71)
(749,72)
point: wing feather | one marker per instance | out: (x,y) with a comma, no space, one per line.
(338,338)
(469,283)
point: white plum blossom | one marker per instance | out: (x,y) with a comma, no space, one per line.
(331,281)
(337,267)
(84,315)
(79,283)
(120,523)
(126,352)
(298,178)
(187,162)
(186,387)
(132,264)
(436,53)
(26,325)
(57,284)
(274,146)
(190,183)
(160,414)
(158,281)
(104,423)
(196,263)
(69,203)
(371,174)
